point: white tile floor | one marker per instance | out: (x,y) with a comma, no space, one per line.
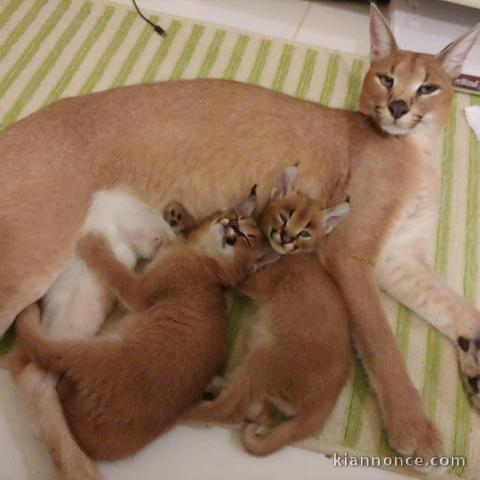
(341,25)
(197,454)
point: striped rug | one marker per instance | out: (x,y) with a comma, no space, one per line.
(59,48)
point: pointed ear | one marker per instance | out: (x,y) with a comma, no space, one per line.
(333,216)
(382,41)
(246,206)
(453,55)
(285,183)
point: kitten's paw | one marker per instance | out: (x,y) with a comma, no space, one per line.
(90,245)
(468,348)
(177,216)
(259,413)
(73,464)
(216,386)
(413,434)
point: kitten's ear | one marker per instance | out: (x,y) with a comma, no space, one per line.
(453,55)
(382,41)
(333,216)
(285,182)
(246,206)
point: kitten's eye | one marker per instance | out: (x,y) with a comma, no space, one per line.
(304,234)
(386,80)
(427,89)
(283,218)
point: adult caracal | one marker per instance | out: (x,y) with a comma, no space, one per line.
(198,134)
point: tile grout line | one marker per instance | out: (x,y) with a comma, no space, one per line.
(302,21)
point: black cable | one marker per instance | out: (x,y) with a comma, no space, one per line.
(157,28)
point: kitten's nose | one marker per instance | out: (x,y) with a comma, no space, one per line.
(398,108)
(285,237)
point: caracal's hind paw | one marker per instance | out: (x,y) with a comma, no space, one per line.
(413,434)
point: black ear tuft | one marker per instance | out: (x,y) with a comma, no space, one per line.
(253,191)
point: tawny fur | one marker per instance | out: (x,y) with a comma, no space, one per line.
(204,133)
(119,394)
(300,352)
(76,306)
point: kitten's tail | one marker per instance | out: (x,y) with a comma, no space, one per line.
(287,432)
(45,352)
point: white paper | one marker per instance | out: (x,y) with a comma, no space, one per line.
(473,118)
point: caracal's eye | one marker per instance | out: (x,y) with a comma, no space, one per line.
(304,234)
(283,218)
(386,80)
(427,89)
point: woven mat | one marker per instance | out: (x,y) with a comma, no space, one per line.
(59,48)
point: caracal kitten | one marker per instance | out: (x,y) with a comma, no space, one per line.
(77,304)
(299,348)
(118,394)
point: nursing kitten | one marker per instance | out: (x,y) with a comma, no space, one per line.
(78,302)
(299,347)
(76,306)
(120,393)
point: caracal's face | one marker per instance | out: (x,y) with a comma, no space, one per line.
(406,92)
(229,235)
(292,224)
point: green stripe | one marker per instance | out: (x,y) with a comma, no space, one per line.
(402,331)
(283,67)
(330,79)
(112,48)
(354,414)
(79,57)
(33,47)
(360,386)
(307,73)
(161,53)
(236,57)
(260,62)
(135,54)
(186,56)
(7,341)
(434,340)
(473,189)
(461,440)
(238,309)
(212,54)
(8,11)
(27,94)
(354,85)
(21,28)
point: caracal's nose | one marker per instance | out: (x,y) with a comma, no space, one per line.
(398,108)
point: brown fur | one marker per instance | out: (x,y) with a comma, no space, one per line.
(119,394)
(300,353)
(204,133)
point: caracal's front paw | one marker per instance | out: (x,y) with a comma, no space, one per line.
(468,348)
(413,434)
(177,216)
